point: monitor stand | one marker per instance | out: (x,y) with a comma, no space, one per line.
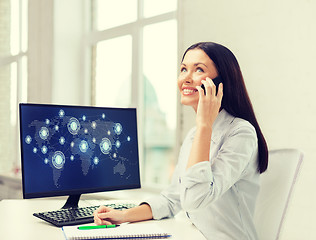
(72,201)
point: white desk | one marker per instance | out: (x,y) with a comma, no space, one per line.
(17,221)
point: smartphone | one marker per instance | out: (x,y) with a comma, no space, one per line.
(216,81)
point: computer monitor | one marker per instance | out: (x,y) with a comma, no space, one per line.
(72,150)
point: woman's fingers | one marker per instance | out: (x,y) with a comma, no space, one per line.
(100,215)
(105,222)
(210,87)
(200,90)
(220,91)
(100,221)
(213,87)
(206,87)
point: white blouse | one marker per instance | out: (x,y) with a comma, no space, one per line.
(218,196)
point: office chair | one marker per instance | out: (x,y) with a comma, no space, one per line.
(277,184)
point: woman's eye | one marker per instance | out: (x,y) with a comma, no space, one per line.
(199,70)
(183,70)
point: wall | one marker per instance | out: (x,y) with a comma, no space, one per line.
(57,44)
(40,50)
(274,42)
(6,139)
(70,62)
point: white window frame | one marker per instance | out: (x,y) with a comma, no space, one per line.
(135,29)
(20,94)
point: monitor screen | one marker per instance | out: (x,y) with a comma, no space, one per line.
(70,150)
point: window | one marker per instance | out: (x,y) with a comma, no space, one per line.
(159,72)
(13,76)
(116,88)
(134,64)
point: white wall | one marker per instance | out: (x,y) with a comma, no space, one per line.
(57,52)
(70,62)
(274,42)
(40,50)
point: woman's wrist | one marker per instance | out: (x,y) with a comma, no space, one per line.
(139,213)
(201,145)
(204,132)
(203,124)
(204,127)
(125,216)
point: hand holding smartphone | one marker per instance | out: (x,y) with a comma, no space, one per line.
(216,81)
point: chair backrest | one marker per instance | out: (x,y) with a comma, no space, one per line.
(276,188)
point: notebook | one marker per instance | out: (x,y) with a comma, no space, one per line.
(124,231)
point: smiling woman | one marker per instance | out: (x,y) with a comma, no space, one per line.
(216,180)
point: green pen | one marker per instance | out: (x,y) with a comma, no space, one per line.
(97,227)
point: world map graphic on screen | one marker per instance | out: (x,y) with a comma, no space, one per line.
(68,139)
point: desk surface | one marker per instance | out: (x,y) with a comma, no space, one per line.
(17,221)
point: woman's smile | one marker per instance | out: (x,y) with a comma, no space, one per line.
(187,91)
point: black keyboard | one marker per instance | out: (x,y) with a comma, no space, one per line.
(74,216)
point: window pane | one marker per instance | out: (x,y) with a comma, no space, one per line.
(5,19)
(113,72)
(154,7)
(13,93)
(7,130)
(15,27)
(24,78)
(160,87)
(24,27)
(10,27)
(13,76)
(108,13)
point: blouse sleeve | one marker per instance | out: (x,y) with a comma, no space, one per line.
(167,204)
(204,182)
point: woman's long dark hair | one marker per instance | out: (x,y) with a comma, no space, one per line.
(235,100)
